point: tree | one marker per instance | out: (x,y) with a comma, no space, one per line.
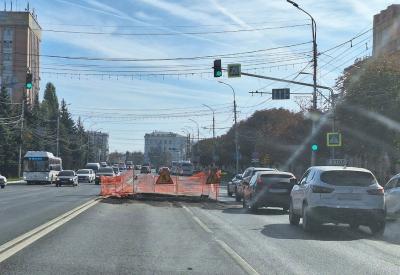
(368,113)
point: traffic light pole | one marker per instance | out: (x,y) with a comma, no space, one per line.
(21,137)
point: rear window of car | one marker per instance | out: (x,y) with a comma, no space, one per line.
(106,170)
(348,178)
(269,178)
(84,171)
(66,173)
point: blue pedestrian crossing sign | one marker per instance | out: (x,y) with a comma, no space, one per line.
(334,139)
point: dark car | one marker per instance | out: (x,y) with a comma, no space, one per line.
(247,175)
(105,172)
(268,189)
(68,177)
(145,170)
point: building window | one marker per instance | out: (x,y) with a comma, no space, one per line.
(7,44)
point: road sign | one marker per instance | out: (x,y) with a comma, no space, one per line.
(281,93)
(337,162)
(334,139)
(164,177)
(234,70)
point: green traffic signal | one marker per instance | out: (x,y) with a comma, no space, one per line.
(28,82)
(217,68)
(218,73)
(314,147)
(29,85)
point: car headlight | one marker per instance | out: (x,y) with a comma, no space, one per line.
(71,179)
(46,177)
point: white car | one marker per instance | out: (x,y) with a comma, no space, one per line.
(3,181)
(392,197)
(86,175)
(331,194)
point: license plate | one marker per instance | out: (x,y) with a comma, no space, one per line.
(350,197)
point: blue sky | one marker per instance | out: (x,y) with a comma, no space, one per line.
(130,98)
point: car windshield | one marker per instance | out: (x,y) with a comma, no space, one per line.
(83,171)
(348,178)
(66,173)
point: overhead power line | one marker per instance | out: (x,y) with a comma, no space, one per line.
(175,33)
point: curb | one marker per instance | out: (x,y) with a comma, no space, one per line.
(19,182)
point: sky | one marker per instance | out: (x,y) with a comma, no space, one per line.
(130,67)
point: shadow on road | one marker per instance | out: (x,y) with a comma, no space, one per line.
(261,211)
(322,233)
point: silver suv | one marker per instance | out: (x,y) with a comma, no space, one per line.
(340,195)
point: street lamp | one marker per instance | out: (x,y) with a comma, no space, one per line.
(315,56)
(198,128)
(236,128)
(213,129)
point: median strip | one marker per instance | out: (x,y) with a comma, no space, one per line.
(10,248)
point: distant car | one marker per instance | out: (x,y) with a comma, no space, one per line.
(339,195)
(94,166)
(247,175)
(86,175)
(116,171)
(163,169)
(392,197)
(268,189)
(104,171)
(186,169)
(3,181)
(231,186)
(145,170)
(67,177)
(103,164)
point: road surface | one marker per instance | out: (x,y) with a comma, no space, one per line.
(164,236)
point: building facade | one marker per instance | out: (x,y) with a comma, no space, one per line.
(173,144)
(98,146)
(387,30)
(20,33)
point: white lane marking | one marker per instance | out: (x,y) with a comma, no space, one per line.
(202,225)
(232,253)
(236,257)
(10,248)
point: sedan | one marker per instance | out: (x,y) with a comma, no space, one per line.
(392,197)
(268,189)
(86,175)
(104,172)
(67,177)
(3,181)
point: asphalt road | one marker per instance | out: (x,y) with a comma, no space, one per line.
(182,237)
(24,207)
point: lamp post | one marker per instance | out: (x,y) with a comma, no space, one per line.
(236,128)
(315,56)
(213,129)
(198,128)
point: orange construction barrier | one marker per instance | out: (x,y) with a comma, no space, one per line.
(118,186)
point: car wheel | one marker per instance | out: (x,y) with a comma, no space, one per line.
(307,219)
(229,193)
(377,228)
(294,219)
(2,187)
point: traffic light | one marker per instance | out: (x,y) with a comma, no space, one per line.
(314,147)
(217,68)
(28,83)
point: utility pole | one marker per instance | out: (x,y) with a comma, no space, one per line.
(213,130)
(198,130)
(236,127)
(21,137)
(58,134)
(315,57)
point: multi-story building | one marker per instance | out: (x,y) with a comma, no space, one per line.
(387,30)
(165,142)
(98,146)
(20,33)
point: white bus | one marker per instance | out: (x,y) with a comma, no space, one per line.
(41,167)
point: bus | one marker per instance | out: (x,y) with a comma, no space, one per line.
(41,167)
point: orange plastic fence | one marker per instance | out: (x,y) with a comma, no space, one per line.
(118,186)
(200,184)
